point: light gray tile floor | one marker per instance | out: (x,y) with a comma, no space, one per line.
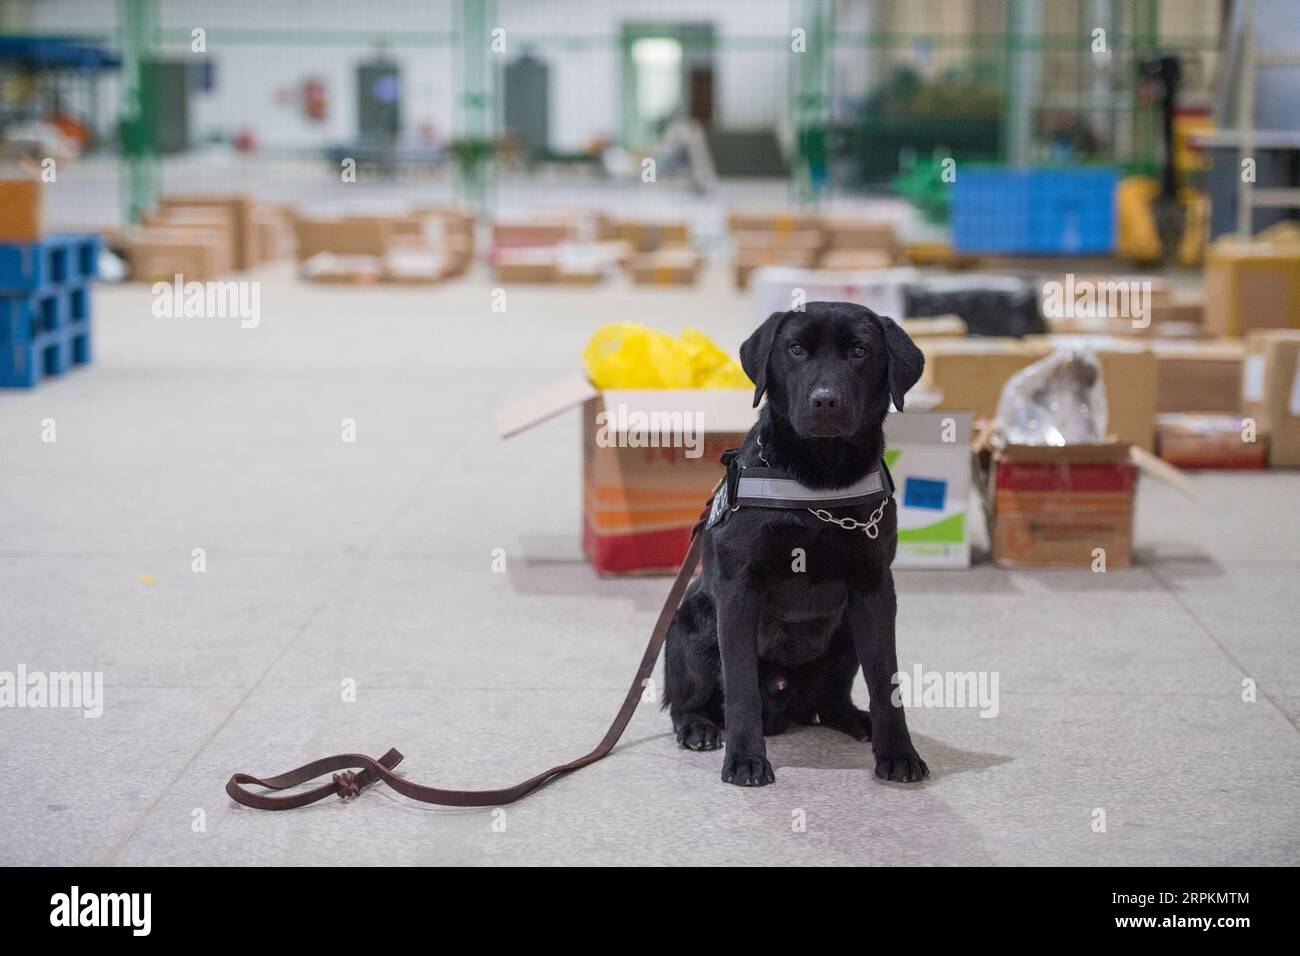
(370,563)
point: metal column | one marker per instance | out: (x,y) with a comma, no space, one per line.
(142,170)
(476,72)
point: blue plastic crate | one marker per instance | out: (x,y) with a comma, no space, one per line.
(24,316)
(24,363)
(1035,211)
(58,260)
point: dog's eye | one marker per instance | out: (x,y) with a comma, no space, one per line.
(859,351)
(797,350)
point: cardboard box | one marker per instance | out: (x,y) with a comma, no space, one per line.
(531,232)
(844,233)
(1194,376)
(645,236)
(779,288)
(343,269)
(754,240)
(665,267)
(210,222)
(1271,393)
(341,237)
(934,327)
(640,502)
(773,220)
(525,265)
(1251,285)
(938,254)
(415,266)
(243,249)
(22,213)
(1207,440)
(749,259)
(1055,506)
(160,254)
(928,455)
(854,260)
(969,373)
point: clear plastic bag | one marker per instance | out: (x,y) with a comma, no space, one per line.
(1058,401)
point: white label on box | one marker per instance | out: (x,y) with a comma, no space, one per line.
(1252,378)
(1293,406)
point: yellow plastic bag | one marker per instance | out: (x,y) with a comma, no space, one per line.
(627,355)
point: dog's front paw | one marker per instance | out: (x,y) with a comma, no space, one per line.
(906,767)
(699,734)
(745,770)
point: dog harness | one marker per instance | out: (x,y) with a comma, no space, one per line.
(763,486)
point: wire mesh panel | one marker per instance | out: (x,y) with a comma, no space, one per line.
(485,99)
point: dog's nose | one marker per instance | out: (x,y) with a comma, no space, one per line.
(824,399)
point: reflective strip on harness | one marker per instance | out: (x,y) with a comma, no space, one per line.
(769,488)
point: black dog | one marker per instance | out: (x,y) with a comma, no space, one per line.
(764,637)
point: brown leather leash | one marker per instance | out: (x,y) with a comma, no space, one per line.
(352,773)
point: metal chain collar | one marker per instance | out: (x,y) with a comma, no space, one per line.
(868,527)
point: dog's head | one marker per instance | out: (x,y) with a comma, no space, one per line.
(831,369)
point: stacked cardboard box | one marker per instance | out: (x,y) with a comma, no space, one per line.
(362,236)
(1207,440)
(569,263)
(241,212)
(650,236)
(773,238)
(1252,285)
(641,499)
(780,288)
(674,266)
(160,253)
(756,249)
(400,248)
(1271,393)
(969,374)
(1198,376)
(203,236)
(1053,506)
(845,235)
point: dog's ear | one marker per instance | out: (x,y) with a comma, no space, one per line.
(756,351)
(905,360)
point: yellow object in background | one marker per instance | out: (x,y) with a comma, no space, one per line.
(627,355)
(1138,237)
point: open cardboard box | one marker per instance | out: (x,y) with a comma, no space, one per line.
(1271,392)
(1064,506)
(640,501)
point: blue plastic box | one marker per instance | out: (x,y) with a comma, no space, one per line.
(1035,211)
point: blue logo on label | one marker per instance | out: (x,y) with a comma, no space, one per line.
(925,493)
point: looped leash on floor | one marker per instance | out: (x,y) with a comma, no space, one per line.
(353,773)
